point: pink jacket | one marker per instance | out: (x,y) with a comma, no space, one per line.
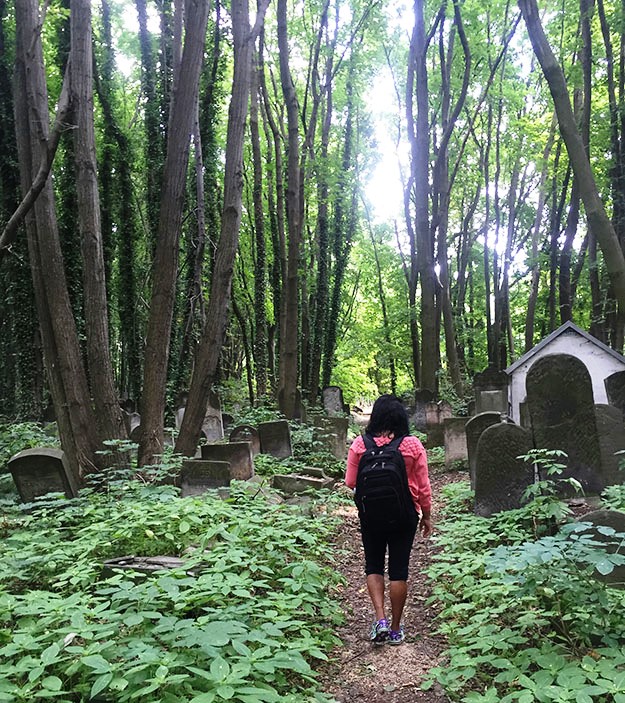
(416,468)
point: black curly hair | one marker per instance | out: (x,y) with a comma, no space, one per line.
(388,415)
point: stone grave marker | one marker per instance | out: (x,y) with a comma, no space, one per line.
(199,475)
(40,471)
(491,391)
(422,399)
(612,520)
(455,440)
(299,483)
(501,478)
(562,410)
(213,426)
(246,433)
(131,420)
(615,390)
(333,402)
(275,438)
(611,431)
(238,454)
(435,416)
(332,433)
(146,566)
(473,431)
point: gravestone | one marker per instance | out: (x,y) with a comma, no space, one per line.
(435,416)
(473,431)
(333,402)
(246,433)
(331,432)
(40,471)
(455,440)
(603,521)
(490,388)
(198,475)
(562,411)
(213,426)
(615,390)
(131,420)
(275,438)
(299,483)
(146,566)
(238,454)
(299,409)
(611,431)
(501,477)
(422,399)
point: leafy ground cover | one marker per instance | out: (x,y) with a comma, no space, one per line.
(247,619)
(524,617)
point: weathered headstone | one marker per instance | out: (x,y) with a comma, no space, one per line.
(131,420)
(602,522)
(333,402)
(299,409)
(491,391)
(473,431)
(455,440)
(275,438)
(611,431)
(615,390)
(213,426)
(501,477)
(299,483)
(435,416)
(422,399)
(562,410)
(331,432)
(238,454)
(40,471)
(146,566)
(246,433)
(198,475)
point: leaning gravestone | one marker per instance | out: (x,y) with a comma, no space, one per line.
(40,471)
(608,527)
(615,390)
(198,476)
(333,402)
(246,433)
(275,438)
(501,477)
(562,411)
(611,441)
(238,454)
(473,430)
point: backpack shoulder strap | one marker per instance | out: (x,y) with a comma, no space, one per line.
(395,442)
(368,441)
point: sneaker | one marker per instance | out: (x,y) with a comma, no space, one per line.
(396,636)
(379,631)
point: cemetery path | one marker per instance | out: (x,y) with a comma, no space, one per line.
(362,672)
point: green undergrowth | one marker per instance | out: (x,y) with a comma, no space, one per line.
(524,615)
(246,619)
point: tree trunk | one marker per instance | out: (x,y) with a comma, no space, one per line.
(598,220)
(108,411)
(289,329)
(166,259)
(66,374)
(207,355)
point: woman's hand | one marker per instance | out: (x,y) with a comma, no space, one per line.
(425,526)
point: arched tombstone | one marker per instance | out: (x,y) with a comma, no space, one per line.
(491,391)
(501,477)
(246,433)
(43,470)
(562,412)
(473,430)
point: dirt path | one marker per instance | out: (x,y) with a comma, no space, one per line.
(366,673)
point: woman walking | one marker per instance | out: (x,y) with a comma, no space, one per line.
(388,424)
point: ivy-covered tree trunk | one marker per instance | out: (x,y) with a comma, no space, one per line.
(108,411)
(289,327)
(66,374)
(170,221)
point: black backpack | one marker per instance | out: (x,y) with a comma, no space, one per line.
(382,494)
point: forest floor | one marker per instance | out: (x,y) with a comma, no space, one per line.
(362,672)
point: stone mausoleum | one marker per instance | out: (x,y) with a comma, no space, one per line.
(599,359)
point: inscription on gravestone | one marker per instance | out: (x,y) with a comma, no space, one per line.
(238,454)
(197,476)
(501,477)
(40,471)
(333,402)
(562,412)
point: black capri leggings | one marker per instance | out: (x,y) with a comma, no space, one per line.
(399,543)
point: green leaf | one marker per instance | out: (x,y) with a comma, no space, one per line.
(219,668)
(184,527)
(97,662)
(207,697)
(50,654)
(52,683)
(100,684)
(226,692)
